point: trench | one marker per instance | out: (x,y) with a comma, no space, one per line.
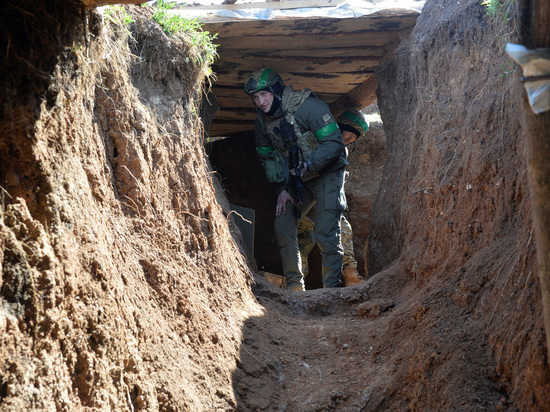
(436,335)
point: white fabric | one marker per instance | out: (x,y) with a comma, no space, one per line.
(347,9)
(534,63)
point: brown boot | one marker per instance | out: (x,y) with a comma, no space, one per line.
(295,288)
(351,277)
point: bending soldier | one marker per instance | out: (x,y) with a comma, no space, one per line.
(353,125)
(321,166)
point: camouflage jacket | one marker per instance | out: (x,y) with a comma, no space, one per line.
(316,130)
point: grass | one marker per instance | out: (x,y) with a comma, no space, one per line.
(498,8)
(118,16)
(174,24)
(502,12)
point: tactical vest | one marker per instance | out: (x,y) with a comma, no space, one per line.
(291,102)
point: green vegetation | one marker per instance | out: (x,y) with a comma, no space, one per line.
(498,8)
(502,12)
(119,16)
(174,24)
(508,68)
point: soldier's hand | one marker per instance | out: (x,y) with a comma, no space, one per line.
(283,198)
(304,169)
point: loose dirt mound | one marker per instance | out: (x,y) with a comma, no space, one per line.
(124,285)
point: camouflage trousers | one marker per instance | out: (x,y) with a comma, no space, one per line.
(306,242)
(325,195)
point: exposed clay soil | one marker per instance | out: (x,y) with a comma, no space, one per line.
(125,284)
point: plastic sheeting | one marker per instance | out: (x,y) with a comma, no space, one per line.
(347,9)
(536,74)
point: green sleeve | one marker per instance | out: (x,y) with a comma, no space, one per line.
(314,115)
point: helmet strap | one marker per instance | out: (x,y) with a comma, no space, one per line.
(274,105)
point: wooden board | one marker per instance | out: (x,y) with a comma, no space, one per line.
(375,23)
(306,41)
(297,64)
(340,51)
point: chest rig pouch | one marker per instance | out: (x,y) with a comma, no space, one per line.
(275,167)
(291,102)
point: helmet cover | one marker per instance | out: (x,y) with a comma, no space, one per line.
(354,121)
(264,79)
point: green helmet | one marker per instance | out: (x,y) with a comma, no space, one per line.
(264,79)
(354,121)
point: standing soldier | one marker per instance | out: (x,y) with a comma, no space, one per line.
(353,126)
(296,123)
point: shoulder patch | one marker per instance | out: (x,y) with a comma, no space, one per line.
(327,118)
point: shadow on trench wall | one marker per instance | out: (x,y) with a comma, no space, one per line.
(243,179)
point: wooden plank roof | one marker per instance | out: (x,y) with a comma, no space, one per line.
(335,57)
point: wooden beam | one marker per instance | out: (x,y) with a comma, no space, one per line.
(359,98)
(343,52)
(231,98)
(238,114)
(315,80)
(321,64)
(535,33)
(301,41)
(97,3)
(227,128)
(312,25)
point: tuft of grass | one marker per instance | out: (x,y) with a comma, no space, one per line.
(498,8)
(118,16)
(174,24)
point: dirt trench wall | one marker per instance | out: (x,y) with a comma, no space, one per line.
(453,219)
(121,285)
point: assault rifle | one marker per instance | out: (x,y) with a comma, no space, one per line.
(294,164)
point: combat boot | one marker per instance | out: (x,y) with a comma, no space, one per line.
(295,288)
(351,277)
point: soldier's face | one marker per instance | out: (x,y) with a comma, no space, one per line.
(263,100)
(348,137)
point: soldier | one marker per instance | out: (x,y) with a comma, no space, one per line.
(353,125)
(321,165)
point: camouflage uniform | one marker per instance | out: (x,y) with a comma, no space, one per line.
(324,152)
(347,243)
(306,241)
(352,120)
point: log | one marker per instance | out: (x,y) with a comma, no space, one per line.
(312,25)
(97,3)
(359,98)
(535,33)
